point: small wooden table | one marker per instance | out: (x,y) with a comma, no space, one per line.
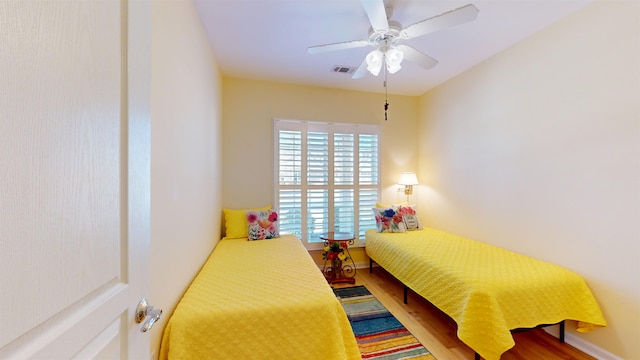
(339,266)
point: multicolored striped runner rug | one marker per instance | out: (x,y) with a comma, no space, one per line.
(379,334)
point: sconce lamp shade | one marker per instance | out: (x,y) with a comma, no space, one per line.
(408,178)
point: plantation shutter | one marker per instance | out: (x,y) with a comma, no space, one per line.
(344,178)
(327,178)
(290,180)
(369,180)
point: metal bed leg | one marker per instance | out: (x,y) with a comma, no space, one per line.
(370,266)
(406,290)
(562,331)
(476,356)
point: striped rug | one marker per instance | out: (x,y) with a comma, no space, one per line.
(379,334)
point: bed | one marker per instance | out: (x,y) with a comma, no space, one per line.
(488,291)
(262,299)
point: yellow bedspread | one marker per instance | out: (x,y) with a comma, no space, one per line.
(259,300)
(487,290)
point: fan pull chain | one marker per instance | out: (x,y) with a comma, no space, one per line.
(386,103)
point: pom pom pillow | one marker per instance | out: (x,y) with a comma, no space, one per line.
(262,224)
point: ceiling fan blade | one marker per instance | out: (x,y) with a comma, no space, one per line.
(362,70)
(337,46)
(377,14)
(450,18)
(423,60)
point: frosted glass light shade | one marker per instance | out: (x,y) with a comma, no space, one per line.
(393,57)
(374,62)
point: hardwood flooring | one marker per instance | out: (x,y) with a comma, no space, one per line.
(437,331)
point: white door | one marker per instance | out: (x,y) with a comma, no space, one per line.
(74,178)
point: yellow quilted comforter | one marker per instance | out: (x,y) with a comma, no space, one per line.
(487,290)
(259,300)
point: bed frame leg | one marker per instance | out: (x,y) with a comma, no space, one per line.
(476,356)
(406,290)
(561,331)
(370,266)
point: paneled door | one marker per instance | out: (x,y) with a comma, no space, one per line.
(74,178)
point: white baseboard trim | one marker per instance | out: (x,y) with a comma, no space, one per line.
(583,345)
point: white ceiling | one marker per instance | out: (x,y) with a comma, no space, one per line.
(268,39)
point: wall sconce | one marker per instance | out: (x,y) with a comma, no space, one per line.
(408,179)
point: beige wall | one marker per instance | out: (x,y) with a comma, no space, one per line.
(538,150)
(250,106)
(535,150)
(185,154)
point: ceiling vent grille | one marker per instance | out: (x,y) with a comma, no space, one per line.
(343,69)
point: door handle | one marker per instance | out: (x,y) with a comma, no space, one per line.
(142,311)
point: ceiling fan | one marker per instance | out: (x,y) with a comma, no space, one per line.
(386,37)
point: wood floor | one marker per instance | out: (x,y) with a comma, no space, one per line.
(437,332)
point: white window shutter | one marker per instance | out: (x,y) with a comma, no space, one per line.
(327,178)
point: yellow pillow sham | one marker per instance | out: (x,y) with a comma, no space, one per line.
(236,225)
(379,205)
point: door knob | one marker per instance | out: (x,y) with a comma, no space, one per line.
(143,310)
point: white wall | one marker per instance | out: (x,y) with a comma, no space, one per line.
(185,154)
(538,150)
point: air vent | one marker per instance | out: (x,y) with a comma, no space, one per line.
(343,69)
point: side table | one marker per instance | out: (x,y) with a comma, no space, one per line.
(339,266)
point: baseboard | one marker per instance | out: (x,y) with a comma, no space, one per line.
(364,265)
(583,345)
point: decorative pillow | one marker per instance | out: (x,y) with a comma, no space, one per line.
(409,217)
(388,220)
(236,222)
(263,225)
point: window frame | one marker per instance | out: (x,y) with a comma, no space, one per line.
(331,128)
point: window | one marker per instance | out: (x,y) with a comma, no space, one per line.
(327,178)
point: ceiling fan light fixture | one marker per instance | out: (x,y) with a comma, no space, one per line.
(385,33)
(374,62)
(393,58)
